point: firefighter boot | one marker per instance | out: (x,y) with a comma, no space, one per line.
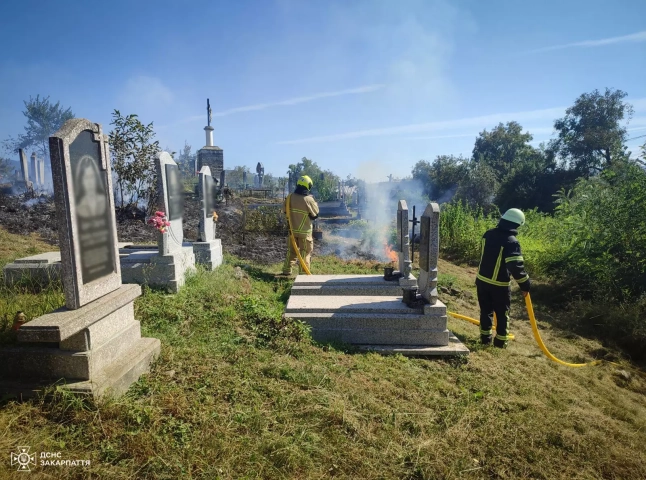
(499,343)
(485,339)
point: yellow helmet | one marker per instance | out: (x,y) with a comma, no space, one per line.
(305,181)
(515,216)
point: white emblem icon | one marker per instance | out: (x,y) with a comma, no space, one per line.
(23,459)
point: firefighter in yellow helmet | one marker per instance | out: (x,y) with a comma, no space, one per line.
(303,209)
(500,258)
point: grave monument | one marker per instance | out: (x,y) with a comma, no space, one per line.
(93,344)
(407,281)
(210,155)
(24,166)
(208,249)
(168,265)
(384,323)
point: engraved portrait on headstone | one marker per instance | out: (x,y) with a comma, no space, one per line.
(91,205)
(175,193)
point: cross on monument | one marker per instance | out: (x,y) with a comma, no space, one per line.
(415,221)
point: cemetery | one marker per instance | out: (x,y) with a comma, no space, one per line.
(149,323)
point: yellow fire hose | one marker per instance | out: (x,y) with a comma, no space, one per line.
(291,236)
(537,335)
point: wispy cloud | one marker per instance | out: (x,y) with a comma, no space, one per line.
(290,101)
(477,123)
(632,38)
(540,122)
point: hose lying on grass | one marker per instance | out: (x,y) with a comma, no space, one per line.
(537,335)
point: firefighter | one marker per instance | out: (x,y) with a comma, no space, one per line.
(500,257)
(303,209)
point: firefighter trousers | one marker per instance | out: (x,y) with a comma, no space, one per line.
(305,245)
(493,298)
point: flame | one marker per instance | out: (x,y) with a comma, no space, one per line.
(391,254)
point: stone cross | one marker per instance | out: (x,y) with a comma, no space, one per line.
(85,215)
(24,166)
(429,251)
(170,200)
(206,190)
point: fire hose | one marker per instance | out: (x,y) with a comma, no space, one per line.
(291,236)
(537,335)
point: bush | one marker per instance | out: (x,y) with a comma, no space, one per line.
(461,227)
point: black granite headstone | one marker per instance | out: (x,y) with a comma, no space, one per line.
(91,203)
(209,194)
(175,193)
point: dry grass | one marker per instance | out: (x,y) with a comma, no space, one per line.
(237,394)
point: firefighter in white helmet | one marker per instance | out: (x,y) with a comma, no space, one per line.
(500,257)
(303,209)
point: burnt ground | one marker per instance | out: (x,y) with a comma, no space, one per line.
(23,215)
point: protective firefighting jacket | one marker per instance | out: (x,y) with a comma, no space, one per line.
(303,209)
(501,256)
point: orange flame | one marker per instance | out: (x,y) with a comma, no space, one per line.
(391,254)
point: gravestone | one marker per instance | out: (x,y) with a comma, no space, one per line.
(208,249)
(223,177)
(33,170)
(429,251)
(24,165)
(94,343)
(168,266)
(407,280)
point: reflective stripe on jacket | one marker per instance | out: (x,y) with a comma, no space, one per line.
(500,256)
(303,209)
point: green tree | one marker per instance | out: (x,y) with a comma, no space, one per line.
(44,118)
(591,135)
(478,188)
(133,150)
(503,147)
(234,177)
(186,161)
(326,183)
(441,177)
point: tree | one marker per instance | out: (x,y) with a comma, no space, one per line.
(326,182)
(478,186)
(43,119)
(133,151)
(442,177)
(234,177)
(591,136)
(5,167)
(186,161)
(503,147)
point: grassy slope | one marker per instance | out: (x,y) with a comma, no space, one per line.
(238,394)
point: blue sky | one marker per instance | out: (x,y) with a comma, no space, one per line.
(362,87)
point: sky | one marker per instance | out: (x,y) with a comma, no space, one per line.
(363,87)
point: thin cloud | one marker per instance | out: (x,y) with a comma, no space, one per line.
(471,124)
(291,101)
(486,121)
(632,38)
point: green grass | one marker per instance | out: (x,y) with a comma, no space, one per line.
(239,393)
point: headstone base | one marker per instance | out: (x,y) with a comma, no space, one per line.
(40,270)
(146,267)
(208,254)
(96,349)
(376,322)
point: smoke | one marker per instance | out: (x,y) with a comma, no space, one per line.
(378,209)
